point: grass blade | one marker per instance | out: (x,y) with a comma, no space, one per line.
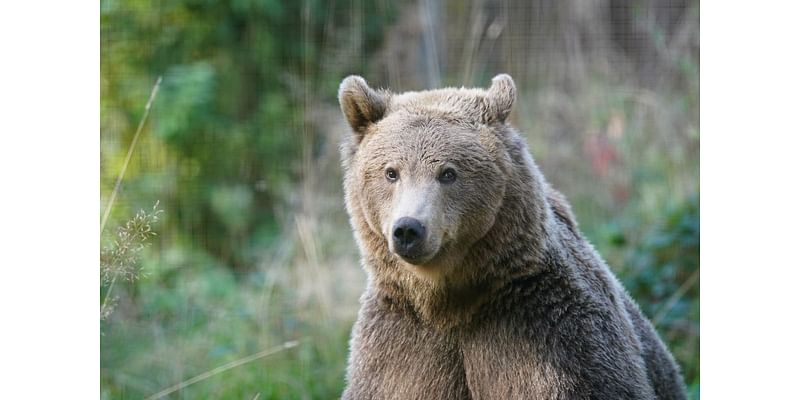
(223,368)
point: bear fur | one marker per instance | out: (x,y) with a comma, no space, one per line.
(506,299)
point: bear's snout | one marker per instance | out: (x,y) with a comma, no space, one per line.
(408,235)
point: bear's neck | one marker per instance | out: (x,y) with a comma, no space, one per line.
(515,246)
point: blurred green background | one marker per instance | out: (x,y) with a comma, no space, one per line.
(250,247)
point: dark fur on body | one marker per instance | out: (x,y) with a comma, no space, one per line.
(531,312)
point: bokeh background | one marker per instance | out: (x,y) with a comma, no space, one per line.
(228,268)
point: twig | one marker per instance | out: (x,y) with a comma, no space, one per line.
(130,154)
(662,313)
(223,368)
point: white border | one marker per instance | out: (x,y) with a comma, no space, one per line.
(749,199)
(49,174)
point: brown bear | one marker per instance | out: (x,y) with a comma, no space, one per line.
(480,285)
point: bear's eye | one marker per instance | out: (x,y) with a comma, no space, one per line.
(447,176)
(391,174)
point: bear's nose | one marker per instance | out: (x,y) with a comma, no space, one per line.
(408,234)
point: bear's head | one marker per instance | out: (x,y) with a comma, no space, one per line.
(426,173)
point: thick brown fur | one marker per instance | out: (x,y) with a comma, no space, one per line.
(513,302)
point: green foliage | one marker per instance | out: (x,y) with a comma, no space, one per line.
(191,323)
(658,260)
(224,142)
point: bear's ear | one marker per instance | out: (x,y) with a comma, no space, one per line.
(360,104)
(502,95)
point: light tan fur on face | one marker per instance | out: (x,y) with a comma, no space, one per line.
(419,148)
(418,134)
(422,200)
